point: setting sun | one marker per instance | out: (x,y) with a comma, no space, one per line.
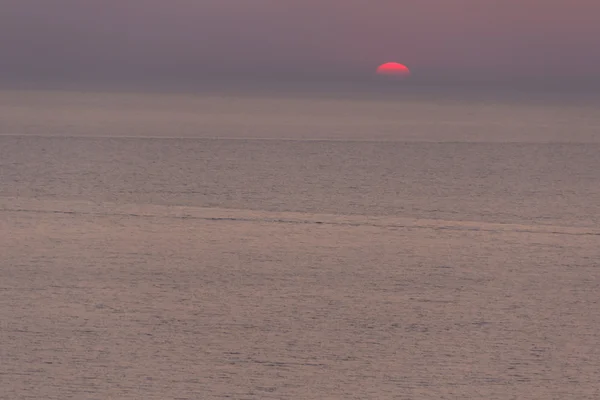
(394,70)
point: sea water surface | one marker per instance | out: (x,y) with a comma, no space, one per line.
(299,246)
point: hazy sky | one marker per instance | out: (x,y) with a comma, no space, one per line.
(279,38)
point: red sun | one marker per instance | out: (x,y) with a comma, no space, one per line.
(393,70)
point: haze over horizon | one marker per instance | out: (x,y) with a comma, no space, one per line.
(269,39)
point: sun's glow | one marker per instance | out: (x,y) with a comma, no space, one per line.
(393,69)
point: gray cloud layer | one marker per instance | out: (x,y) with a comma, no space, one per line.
(279,38)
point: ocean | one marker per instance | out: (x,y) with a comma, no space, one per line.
(418,244)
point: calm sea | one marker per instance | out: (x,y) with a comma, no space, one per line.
(342,245)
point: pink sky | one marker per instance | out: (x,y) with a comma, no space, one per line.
(436,38)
